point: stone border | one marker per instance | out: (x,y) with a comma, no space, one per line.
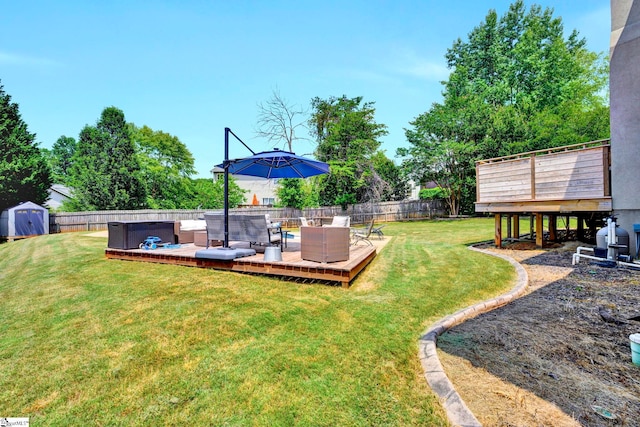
(458,413)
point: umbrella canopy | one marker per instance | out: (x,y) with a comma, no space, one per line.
(277,164)
(268,164)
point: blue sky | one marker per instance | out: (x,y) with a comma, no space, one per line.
(191,68)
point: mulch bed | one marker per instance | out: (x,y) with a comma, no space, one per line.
(567,342)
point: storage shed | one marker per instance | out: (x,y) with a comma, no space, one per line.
(24,220)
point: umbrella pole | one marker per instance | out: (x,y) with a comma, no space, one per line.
(226,187)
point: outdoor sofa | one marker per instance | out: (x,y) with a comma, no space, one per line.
(185,229)
(242,228)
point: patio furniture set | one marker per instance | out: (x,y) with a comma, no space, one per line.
(221,228)
(327,243)
(318,254)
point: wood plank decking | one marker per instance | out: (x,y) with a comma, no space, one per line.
(291,266)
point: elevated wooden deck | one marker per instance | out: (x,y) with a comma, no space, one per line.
(563,180)
(569,180)
(291,266)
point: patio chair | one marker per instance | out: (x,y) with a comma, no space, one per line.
(275,228)
(378,231)
(306,223)
(362,234)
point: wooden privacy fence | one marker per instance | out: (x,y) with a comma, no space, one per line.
(61,222)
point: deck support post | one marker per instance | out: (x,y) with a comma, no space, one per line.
(509,236)
(531,227)
(553,228)
(580,231)
(498,231)
(539,230)
(516,226)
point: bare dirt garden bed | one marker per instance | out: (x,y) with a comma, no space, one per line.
(554,356)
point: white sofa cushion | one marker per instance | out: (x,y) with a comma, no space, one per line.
(340,221)
(193,224)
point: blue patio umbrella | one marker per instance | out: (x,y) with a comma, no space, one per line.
(277,164)
(267,164)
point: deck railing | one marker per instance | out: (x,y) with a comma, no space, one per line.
(572,172)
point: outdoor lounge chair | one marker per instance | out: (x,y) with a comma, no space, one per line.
(378,231)
(362,234)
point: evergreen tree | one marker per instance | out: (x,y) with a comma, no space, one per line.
(24,172)
(60,158)
(105,174)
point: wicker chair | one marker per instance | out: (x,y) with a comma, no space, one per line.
(324,244)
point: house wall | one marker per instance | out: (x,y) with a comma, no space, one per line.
(414,191)
(624,85)
(264,189)
(58,194)
(55,200)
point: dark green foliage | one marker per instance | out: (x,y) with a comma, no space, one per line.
(297,193)
(165,167)
(393,184)
(347,137)
(24,172)
(105,174)
(516,85)
(61,158)
(290,193)
(433,193)
(207,194)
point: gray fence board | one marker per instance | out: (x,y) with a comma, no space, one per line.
(60,222)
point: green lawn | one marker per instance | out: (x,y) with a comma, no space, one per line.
(90,341)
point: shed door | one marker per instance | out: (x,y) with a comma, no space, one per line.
(29,222)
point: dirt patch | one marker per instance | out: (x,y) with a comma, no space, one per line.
(564,345)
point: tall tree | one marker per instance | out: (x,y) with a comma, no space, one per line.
(24,172)
(393,185)
(437,156)
(278,120)
(347,137)
(105,171)
(60,158)
(166,166)
(516,85)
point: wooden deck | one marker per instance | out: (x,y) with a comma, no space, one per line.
(570,180)
(292,265)
(560,180)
